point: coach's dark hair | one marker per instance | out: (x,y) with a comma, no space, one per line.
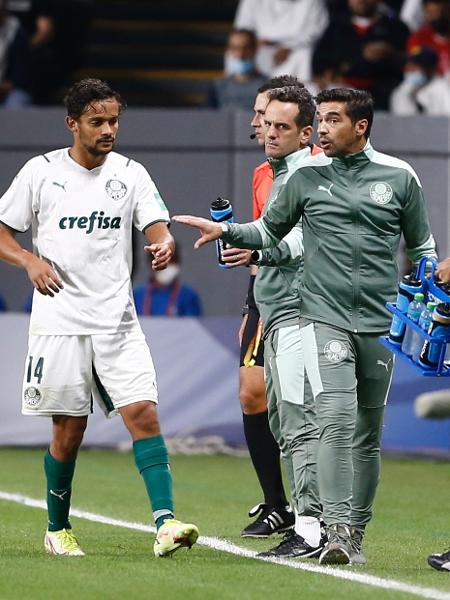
(299,96)
(279,82)
(87,91)
(358,104)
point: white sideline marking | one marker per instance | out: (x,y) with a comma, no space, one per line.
(229,547)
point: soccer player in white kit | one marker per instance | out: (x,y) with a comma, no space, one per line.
(85,340)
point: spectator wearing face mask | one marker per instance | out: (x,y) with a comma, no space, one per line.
(239,86)
(164,295)
(435,33)
(422,90)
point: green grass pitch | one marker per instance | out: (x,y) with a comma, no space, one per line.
(412,519)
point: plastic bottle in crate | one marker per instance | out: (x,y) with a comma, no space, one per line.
(439,329)
(415,309)
(424,323)
(408,286)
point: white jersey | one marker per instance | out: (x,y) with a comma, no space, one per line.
(82,226)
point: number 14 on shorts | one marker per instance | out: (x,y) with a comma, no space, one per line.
(35,369)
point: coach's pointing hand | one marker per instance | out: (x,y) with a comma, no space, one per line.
(209,230)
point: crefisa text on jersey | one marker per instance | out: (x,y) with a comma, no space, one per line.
(96,220)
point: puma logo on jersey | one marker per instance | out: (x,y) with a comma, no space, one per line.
(61,185)
(327,190)
(96,220)
(384,364)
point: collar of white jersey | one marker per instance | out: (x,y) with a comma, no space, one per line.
(76,165)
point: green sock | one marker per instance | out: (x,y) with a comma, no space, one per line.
(59,490)
(152,460)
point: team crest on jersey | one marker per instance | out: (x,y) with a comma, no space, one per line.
(381,192)
(335,351)
(116,189)
(32,396)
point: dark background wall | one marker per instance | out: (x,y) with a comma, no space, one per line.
(196,155)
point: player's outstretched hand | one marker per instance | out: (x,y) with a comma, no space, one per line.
(162,253)
(42,276)
(236,257)
(443,270)
(209,230)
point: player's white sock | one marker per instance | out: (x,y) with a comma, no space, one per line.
(309,529)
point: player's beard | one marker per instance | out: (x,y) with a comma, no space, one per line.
(97,151)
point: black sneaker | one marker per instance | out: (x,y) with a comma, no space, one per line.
(338,549)
(272,519)
(294,546)
(441,562)
(357,556)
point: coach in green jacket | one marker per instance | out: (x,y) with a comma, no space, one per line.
(355,204)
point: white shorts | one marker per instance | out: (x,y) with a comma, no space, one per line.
(65,373)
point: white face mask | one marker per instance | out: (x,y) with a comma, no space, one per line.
(416,78)
(168,275)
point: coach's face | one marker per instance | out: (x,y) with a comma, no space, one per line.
(283,135)
(96,129)
(338,136)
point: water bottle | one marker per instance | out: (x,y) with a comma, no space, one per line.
(424,323)
(220,211)
(408,286)
(439,329)
(415,308)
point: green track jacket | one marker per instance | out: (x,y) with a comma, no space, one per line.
(354,210)
(277,283)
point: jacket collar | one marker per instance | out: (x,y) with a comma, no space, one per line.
(289,162)
(356,160)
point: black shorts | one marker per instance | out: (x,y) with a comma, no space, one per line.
(252,347)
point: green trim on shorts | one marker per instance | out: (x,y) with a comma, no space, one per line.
(106,398)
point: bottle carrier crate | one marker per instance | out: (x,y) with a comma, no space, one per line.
(432,293)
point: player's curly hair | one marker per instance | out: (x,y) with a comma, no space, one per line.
(299,96)
(87,91)
(358,104)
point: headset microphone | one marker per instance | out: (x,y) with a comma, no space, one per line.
(252,136)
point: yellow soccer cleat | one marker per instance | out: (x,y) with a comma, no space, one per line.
(172,535)
(62,543)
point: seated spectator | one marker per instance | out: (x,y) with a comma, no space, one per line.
(166,295)
(368,44)
(56,30)
(286,31)
(241,82)
(422,90)
(14,62)
(435,33)
(39,22)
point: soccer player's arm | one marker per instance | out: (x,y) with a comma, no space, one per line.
(151,216)
(416,225)
(161,245)
(283,214)
(15,215)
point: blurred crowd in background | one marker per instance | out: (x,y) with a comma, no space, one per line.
(398,50)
